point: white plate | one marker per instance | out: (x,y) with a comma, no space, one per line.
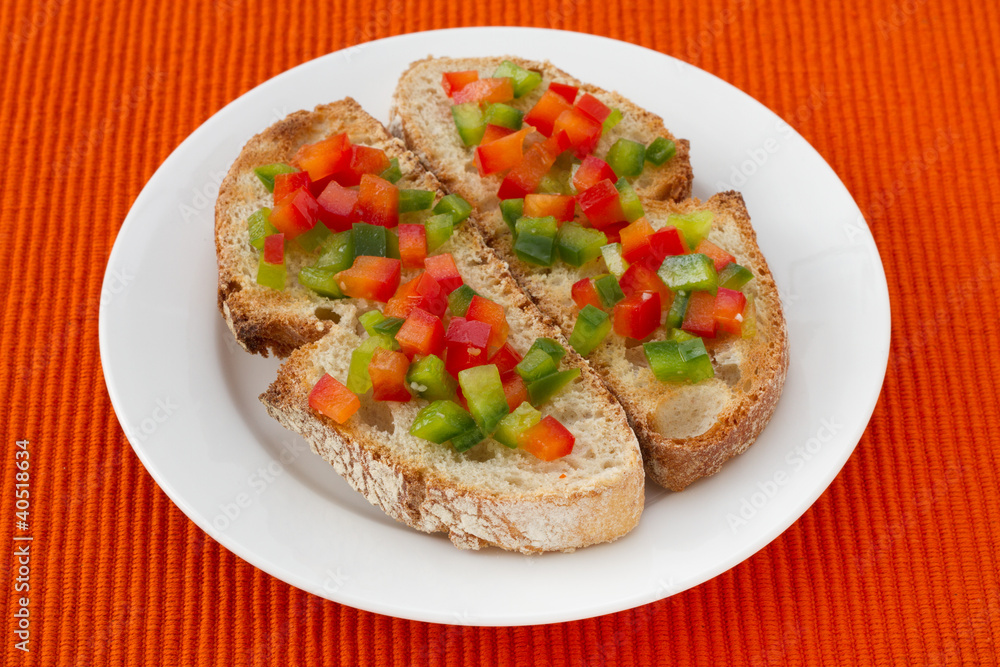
(186,394)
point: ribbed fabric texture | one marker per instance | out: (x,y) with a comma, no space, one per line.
(895,564)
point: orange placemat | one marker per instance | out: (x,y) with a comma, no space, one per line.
(896,562)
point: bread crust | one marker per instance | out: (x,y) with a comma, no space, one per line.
(562,514)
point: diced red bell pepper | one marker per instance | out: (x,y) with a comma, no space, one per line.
(635,240)
(614,232)
(543,115)
(364,160)
(387,370)
(296,214)
(433,298)
(584,292)
(274,249)
(523,179)
(601,204)
(502,154)
(593,107)
(592,171)
(442,268)
(718,256)
(514,389)
(700,317)
(286,185)
(637,315)
(494,132)
(548,439)
(466,343)
(412,245)
(490,312)
(505,359)
(374,278)
(640,278)
(324,158)
(422,333)
(485,90)
(378,202)
(336,206)
(452,82)
(729,307)
(565,91)
(582,132)
(404,300)
(667,241)
(333,399)
(560,207)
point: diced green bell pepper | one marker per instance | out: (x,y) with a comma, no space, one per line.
(444,420)
(259,226)
(338,252)
(613,119)
(465,441)
(673,361)
(369,320)
(458,208)
(579,245)
(626,157)
(541,391)
(392,173)
(661,150)
(391,244)
(428,378)
(358,379)
(553,184)
(469,122)
(270,275)
(512,210)
(678,309)
(415,200)
(369,240)
(749,318)
(536,240)
(734,276)
(689,272)
(680,335)
(322,280)
(613,259)
(694,226)
(608,289)
(549,347)
(535,365)
(513,425)
(592,326)
(438,229)
(483,391)
(504,115)
(313,238)
(631,206)
(459,300)
(267,173)
(389,326)
(523,80)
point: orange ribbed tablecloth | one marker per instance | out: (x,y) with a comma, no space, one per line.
(895,564)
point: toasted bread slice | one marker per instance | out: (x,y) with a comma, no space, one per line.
(686,431)
(262,319)
(490,495)
(422,116)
